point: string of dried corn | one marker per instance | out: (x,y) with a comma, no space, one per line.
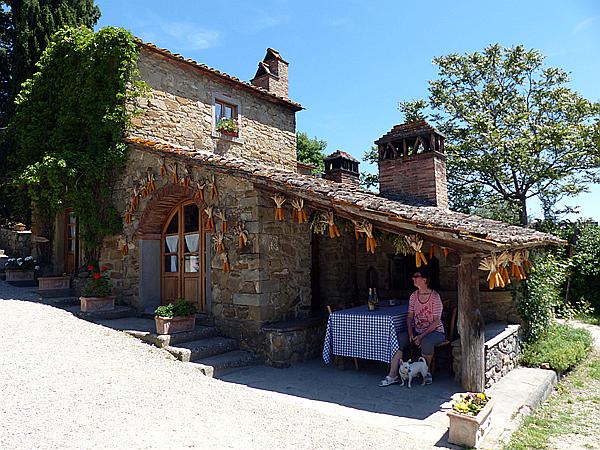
(367,228)
(221,216)
(495,265)
(173,171)
(334,231)
(210,221)
(212,186)
(279,201)
(298,213)
(225,259)
(218,243)
(199,194)
(242,234)
(517,261)
(416,243)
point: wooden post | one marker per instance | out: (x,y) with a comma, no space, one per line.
(470,326)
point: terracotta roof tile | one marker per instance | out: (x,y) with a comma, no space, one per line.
(339,153)
(409,129)
(476,233)
(224,76)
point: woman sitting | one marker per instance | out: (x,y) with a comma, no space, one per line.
(423,324)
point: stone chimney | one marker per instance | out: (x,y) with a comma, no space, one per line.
(341,168)
(412,163)
(272,74)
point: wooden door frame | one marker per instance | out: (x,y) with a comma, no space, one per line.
(179,209)
(66,215)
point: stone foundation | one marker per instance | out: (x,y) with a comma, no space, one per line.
(291,342)
(502,350)
(16,244)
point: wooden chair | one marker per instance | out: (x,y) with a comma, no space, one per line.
(443,350)
(330,309)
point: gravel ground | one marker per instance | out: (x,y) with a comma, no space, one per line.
(68,383)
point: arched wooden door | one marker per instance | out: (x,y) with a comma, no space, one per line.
(183,256)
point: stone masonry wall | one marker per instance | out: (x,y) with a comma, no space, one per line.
(422,175)
(16,244)
(269,278)
(180,111)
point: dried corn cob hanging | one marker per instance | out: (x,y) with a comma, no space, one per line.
(135,200)
(431,251)
(493,264)
(221,216)
(163,168)
(358,229)
(416,244)
(242,234)
(128,218)
(210,222)
(199,194)
(334,231)
(173,171)
(225,259)
(279,201)
(187,178)
(212,186)
(367,228)
(299,213)
(150,182)
(218,242)
(517,260)
(123,247)
(144,192)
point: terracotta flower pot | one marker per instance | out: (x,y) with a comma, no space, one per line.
(467,430)
(52,283)
(93,304)
(13,275)
(172,325)
(229,133)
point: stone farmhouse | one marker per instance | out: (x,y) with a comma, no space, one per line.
(230,220)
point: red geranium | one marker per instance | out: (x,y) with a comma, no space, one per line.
(97,276)
(103,268)
(90,267)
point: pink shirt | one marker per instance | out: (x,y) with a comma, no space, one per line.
(424,309)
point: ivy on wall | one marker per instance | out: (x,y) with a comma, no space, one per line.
(69,125)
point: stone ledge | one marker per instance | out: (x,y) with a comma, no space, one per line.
(499,334)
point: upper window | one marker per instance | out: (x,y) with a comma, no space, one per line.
(226,118)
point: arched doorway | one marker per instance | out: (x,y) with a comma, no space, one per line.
(183,255)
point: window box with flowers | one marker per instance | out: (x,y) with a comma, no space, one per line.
(20,270)
(177,317)
(228,127)
(96,296)
(470,419)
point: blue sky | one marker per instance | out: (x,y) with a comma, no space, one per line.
(351,62)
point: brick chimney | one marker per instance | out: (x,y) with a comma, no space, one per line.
(341,168)
(272,74)
(412,163)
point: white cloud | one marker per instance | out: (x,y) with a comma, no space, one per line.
(585,24)
(190,36)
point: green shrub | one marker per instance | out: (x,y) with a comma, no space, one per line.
(561,347)
(181,308)
(540,294)
(585,273)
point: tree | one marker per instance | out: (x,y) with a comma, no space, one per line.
(33,23)
(6,32)
(369,180)
(514,129)
(311,151)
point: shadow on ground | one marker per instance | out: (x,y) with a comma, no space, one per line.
(315,380)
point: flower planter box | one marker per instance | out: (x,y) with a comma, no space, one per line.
(93,304)
(54,286)
(172,325)
(467,430)
(19,275)
(229,133)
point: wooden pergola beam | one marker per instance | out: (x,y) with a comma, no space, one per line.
(470,325)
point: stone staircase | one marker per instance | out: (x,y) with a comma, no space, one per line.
(212,354)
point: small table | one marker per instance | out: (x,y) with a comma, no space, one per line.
(360,333)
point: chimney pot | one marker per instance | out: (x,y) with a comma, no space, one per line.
(341,168)
(272,74)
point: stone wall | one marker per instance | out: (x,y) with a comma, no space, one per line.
(292,342)
(16,244)
(269,278)
(502,350)
(422,175)
(180,111)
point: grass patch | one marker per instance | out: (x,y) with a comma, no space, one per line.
(595,370)
(568,416)
(561,347)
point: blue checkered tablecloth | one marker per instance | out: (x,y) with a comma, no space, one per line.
(360,333)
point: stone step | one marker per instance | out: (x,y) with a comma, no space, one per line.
(203,348)
(166,340)
(119,312)
(220,364)
(68,300)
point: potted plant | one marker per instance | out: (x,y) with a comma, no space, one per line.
(470,419)
(175,317)
(226,126)
(20,270)
(54,285)
(96,295)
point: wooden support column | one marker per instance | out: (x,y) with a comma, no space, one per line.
(470,325)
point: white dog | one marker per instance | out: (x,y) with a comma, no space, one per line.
(409,369)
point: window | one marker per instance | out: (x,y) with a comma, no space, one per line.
(226,117)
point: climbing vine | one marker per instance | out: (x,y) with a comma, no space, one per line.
(69,125)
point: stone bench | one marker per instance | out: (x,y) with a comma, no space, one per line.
(502,349)
(294,341)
